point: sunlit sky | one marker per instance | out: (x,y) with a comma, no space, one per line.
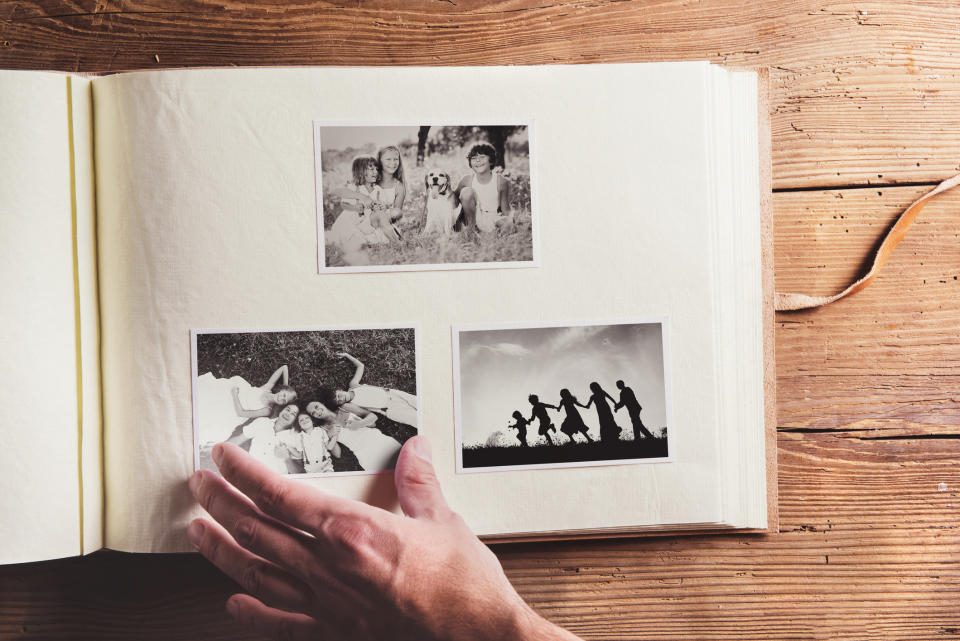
(342,137)
(499,369)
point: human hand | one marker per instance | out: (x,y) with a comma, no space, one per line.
(347,356)
(323,567)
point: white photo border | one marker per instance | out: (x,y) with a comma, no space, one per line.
(672,438)
(195,375)
(529,123)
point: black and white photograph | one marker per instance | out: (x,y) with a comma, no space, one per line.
(313,402)
(421,197)
(561,396)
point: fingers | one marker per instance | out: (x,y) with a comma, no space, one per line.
(273,623)
(248,527)
(417,486)
(255,575)
(285,499)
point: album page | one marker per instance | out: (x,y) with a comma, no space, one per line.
(248,244)
(40,388)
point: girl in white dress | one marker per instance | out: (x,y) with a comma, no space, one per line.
(393,190)
(273,442)
(225,403)
(360,201)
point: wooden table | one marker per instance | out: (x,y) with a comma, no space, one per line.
(865,117)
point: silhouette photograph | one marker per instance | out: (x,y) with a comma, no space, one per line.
(560,396)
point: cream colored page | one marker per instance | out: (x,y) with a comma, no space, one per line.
(39,501)
(208,220)
(88,301)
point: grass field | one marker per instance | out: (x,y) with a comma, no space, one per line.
(388,354)
(512,241)
(485,456)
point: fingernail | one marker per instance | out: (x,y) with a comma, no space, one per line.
(421,447)
(232,608)
(195,533)
(217,454)
(195,482)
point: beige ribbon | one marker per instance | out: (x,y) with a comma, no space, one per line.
(790,302)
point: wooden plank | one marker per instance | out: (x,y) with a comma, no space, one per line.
(863,93)
(882,362)
(871,406)
(905,323)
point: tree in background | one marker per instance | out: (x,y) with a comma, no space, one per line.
(448,138)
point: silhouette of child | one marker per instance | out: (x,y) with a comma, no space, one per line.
(521,427)
(573,422)
(540,413)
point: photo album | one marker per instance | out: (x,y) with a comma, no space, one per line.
(560,275)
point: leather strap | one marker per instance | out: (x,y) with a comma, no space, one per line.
(790,302)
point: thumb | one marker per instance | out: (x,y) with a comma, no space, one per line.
(417,486)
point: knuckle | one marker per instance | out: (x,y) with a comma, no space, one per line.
(210,547)
(207,498)
(347,532)
(227,467)
(272,495)
(245,530)
(422,475)
(285,630)
(245,616)
(252,577)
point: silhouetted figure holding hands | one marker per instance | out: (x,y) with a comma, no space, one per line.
(521,427)
(540,413)
(572,423)
(609,430)
(629,400)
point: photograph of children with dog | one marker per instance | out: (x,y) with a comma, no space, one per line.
(424,197)
(306,402)
(560,396)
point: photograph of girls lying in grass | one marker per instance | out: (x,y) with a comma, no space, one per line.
(306,402)
(560,396)
(423,197)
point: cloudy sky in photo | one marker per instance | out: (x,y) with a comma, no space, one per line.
(500,368)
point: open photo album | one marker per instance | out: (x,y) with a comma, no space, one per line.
(561,276)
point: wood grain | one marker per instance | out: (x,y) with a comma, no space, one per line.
(865,116)
(863,93)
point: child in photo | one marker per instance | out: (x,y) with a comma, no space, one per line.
(393,190)
(484,194)
(317,446)
(540,413)
(358,222)
(521,427)
(362,399)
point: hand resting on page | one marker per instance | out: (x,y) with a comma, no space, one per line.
(318,566)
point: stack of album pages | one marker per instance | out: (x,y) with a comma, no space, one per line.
(561,276)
